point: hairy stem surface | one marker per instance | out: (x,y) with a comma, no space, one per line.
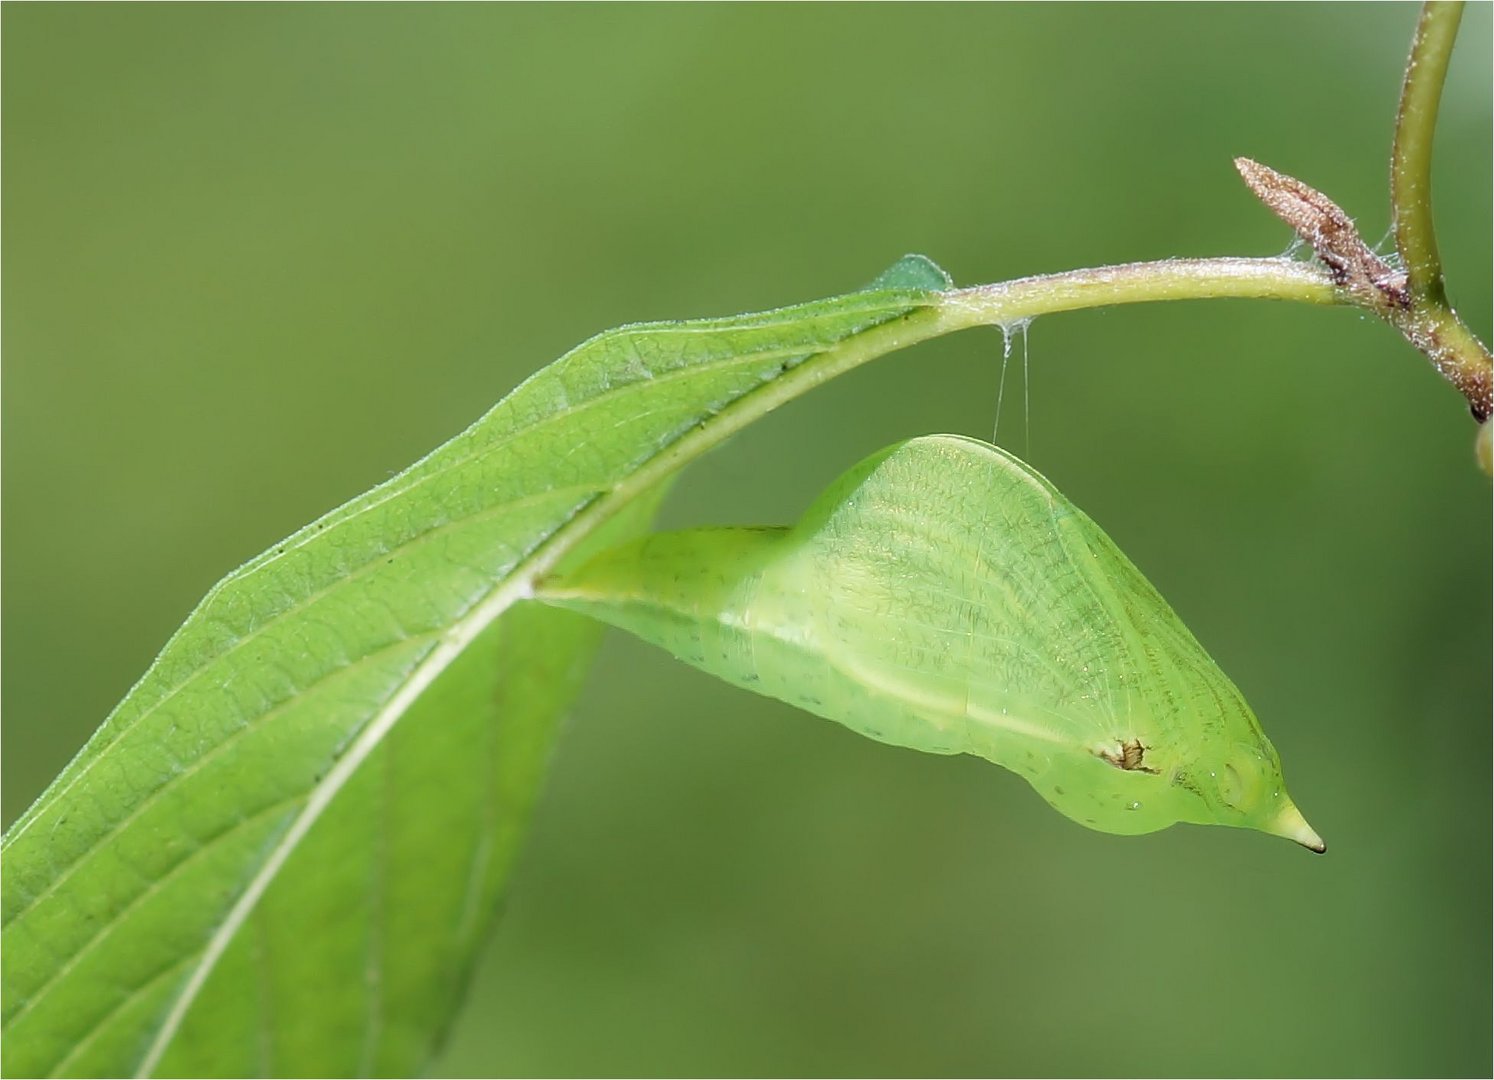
(1424,316)
(1411,154)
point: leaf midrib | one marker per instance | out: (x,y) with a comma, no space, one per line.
(107,927)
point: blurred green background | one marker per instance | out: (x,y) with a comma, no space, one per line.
(257,258)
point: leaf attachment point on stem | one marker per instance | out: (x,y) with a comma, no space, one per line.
(1367,281)
(1331,233)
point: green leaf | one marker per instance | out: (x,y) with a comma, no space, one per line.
(277,852)
(943,596)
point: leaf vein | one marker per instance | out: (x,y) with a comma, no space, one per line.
(66,872)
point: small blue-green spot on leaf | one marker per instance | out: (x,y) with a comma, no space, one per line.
(913,272)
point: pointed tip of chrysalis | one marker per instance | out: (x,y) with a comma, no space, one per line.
(1291,825)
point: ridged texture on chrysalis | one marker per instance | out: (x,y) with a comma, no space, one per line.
(944,596)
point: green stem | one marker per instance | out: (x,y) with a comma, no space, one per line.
(1172,279)
(1422,313)
(1411,156)
(1011,302)
(983,305)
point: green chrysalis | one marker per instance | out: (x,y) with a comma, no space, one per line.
(944,596)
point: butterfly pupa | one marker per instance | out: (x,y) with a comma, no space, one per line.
(942,595)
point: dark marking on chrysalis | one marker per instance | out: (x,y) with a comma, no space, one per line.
(1128,755)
